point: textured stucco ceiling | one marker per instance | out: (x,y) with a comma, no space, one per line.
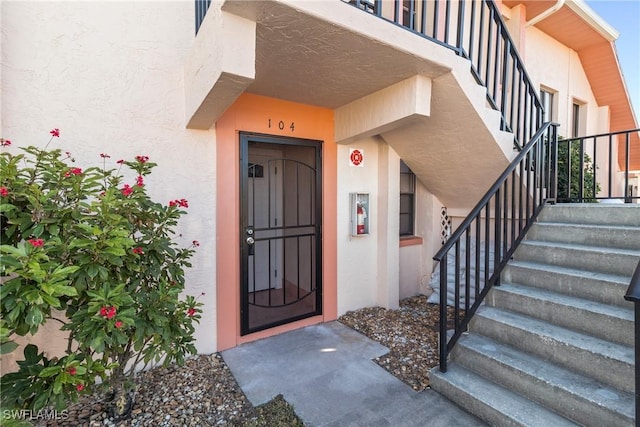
(304,58)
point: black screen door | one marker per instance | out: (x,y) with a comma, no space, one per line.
(280,226)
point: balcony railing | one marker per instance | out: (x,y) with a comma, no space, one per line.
(474,29)
(202,6)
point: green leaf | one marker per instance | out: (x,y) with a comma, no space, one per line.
(8,347)
(69,291)
(57,385)
(81,243)
(33,297)
(19,252)
(6,207)
(92,270)
(34,316)
(54,230)
(52,301)
(104,273)
(97,343)
(31,354)
(65,271)
(38,230)
(41,401)
(9,261)
(15,313)
(116,251)
(49,372)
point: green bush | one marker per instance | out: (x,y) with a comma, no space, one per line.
(82,248)
(571,193)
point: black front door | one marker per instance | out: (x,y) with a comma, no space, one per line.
(280,226)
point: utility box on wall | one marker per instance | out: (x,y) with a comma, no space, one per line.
(359,208)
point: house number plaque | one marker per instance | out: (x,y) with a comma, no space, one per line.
(281,125)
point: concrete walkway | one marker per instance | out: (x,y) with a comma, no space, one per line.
(326,372)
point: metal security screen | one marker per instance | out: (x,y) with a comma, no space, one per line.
(280,231)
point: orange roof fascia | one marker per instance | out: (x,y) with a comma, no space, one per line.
(594,40)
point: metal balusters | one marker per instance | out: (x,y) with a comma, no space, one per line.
(202,6)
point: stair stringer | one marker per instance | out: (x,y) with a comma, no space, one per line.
(458,151)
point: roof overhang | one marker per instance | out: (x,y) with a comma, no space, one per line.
(578,27)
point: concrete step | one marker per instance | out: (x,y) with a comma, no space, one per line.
(600,320)
(574,396)
(605,361)
(592,213)
(587,258)
(604,288)
(490,402)
(618,236)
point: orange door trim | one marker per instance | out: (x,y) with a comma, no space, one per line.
(259,114)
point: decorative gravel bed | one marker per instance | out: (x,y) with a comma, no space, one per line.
(203,392)
(410,333)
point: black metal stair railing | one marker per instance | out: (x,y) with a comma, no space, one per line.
(474,29)
(483,244)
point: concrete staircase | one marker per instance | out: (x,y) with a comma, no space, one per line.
(554,344)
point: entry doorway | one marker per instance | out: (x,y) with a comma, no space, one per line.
(280,230)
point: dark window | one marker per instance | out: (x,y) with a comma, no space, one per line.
(407,199)
(576,120)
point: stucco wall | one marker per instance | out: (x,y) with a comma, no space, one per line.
(373,270)
(109,76)
(357,256)
(557,67)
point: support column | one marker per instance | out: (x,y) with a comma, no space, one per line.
(388,257)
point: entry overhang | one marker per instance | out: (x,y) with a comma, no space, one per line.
(215,75)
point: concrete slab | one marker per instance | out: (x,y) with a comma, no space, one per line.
(326,372)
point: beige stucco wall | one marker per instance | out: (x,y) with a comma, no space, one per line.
(215,74)
(558,68)
(373,270)
(109,75)
(555,66)
(357,256)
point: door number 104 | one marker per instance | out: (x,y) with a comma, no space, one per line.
(281,125)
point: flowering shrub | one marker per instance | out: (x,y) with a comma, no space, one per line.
(84,249)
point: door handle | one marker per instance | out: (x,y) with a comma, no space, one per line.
(250,240)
